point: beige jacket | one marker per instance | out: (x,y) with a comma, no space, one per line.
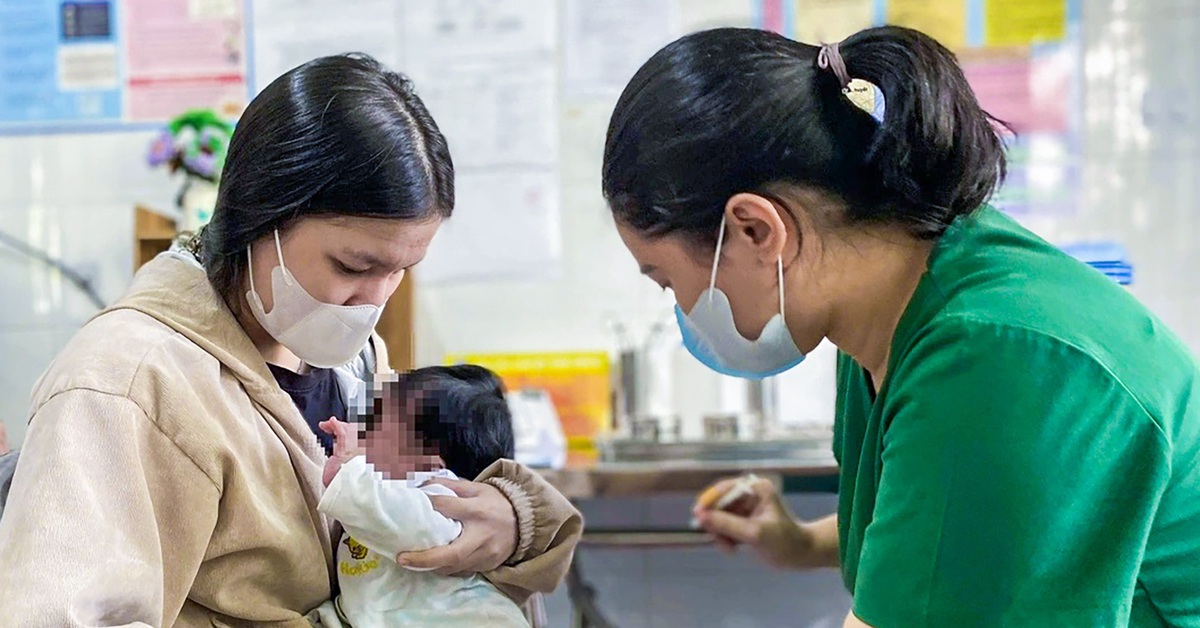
(167,480)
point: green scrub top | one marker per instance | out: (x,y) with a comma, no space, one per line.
(1033,455)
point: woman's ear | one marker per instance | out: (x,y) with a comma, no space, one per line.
(755,225)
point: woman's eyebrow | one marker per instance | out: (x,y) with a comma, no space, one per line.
(367,258)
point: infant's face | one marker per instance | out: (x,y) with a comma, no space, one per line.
(396,451)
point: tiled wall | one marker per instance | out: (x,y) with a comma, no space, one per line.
(1142,172)
(73,197)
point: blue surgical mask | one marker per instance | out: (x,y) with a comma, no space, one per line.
(711,336)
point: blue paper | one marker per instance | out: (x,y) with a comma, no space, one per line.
(33,34)
(1108,257)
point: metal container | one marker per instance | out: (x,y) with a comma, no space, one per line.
(656,429)
(733,426)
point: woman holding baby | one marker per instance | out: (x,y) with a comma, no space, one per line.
(172,469)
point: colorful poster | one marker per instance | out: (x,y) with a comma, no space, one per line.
(183,54)
(59,63)
(1044,176)
(1024,22)
(944,20)
(774,15)
(1030,93)
(828,21)
(578,382)
(93,64)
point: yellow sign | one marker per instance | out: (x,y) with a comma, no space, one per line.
(1024,22)
(578,382)
(829,21)
(943,20)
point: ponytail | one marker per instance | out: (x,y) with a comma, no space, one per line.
(936,152)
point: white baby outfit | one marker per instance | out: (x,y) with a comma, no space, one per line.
(381,518)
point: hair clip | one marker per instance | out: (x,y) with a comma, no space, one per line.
(862,94)
(866,96)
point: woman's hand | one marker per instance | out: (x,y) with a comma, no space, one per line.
(489,535)
(763,522)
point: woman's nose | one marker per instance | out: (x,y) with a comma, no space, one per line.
(377,291)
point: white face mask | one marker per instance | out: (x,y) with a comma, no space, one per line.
(321,334)
(710,335)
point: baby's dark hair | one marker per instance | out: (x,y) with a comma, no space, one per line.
(458,411)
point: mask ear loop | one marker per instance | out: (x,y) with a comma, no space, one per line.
(250,263)
(250,268)
(782,317)
(287,276)
(712,280)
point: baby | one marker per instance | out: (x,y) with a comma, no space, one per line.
(437,422)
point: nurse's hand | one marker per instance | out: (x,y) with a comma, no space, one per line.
(764,523)
(489,535)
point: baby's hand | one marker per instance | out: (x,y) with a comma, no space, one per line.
(345,446)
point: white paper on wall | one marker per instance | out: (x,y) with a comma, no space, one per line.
(505,226)
(606,42)
(288,33)
(487,70)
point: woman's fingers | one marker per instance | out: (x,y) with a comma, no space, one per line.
(724,544)
(710,495)
(434,558)
(765,489)
(459,558)
(731,526)
(489,534)
(452,507)
(462,488)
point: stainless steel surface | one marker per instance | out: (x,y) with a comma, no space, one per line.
(678,475)
(657,539)
(814,448)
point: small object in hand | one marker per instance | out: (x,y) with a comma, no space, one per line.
(712,499)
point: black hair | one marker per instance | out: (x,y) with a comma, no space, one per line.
(339,135)
(731,110)
(458,411)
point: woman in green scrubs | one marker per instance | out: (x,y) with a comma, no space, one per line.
(1019,438)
